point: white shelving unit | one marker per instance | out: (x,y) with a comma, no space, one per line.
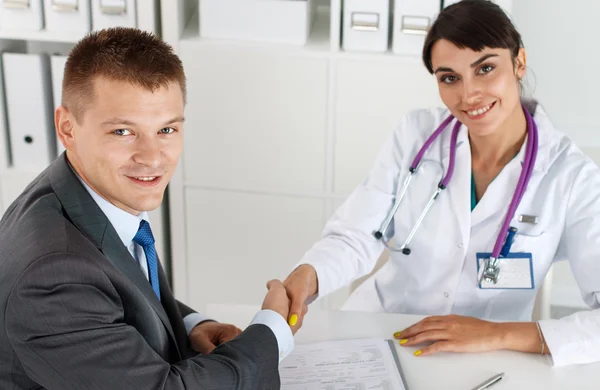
(12,180)
(276,137)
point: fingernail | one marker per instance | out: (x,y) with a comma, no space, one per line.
(397,335)
(418,352)
(293,320)
(403,341)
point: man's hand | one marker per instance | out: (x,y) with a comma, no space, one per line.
(209,334)
(278,301)
(300,285)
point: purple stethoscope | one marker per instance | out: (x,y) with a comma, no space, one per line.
(491,270)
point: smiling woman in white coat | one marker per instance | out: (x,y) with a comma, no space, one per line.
(496,195)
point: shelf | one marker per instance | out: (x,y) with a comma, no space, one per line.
(40,36)
(318,40)
(387,56)
(318,43)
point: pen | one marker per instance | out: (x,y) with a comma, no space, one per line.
(489,382)
(509,241)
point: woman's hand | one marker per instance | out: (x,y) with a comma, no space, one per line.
(300,286)
(453,334)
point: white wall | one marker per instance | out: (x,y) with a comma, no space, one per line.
(278,135)
(561,39)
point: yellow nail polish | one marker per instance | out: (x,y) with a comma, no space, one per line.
(403,341)
(418,352)
(397,335)
(293,320)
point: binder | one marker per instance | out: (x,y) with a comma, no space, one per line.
(412,19)
(57,65)
(506,5)
(366,25)
(281,21)
(21,15)
(113,13)
(29,110)
(68,16)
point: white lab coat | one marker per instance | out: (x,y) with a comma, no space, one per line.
(440,276)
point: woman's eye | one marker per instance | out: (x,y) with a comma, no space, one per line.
(487,69)
(448,79)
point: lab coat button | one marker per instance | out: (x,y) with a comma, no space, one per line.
(460,245)
(446,294)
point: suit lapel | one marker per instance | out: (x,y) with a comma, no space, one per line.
(87,216)
(119,256)
(172,309)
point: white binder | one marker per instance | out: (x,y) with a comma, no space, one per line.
(506,5)
(412,19)
(21,15)
(69,16)
(57,64)
(281,21)
(29,110)
(113,13)
(366,25)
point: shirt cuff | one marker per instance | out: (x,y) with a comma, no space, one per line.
(191,320)
(282,331)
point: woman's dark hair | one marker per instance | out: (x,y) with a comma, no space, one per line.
(473,24)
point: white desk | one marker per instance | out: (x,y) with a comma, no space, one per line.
(442,371)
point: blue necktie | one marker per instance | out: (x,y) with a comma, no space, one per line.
(145,239)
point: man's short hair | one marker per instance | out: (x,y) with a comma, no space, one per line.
(119,54)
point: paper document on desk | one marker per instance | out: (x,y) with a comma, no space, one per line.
(364,364)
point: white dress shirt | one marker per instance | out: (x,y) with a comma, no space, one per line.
(127,226)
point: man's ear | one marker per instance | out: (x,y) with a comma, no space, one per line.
(64,123)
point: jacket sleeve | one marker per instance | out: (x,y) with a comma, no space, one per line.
(576,339)
(185,310)
(65,322)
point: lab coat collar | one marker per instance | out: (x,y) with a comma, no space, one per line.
(459,188)
(545,129)
(460,192)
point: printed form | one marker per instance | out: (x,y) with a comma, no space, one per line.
(364,364)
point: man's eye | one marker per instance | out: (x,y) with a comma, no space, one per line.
(122,132)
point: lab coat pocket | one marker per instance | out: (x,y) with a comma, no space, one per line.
(542,247)
(528,240)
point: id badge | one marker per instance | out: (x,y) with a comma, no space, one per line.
(516,271)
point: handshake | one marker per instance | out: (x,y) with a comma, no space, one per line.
(289,298)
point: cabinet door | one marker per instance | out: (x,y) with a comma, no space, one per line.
(255,120)
(371,98)
(236,242)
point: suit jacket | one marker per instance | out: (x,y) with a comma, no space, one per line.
(78,313)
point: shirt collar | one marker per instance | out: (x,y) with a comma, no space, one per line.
(125,224)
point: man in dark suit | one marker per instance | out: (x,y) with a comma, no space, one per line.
(84,300)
